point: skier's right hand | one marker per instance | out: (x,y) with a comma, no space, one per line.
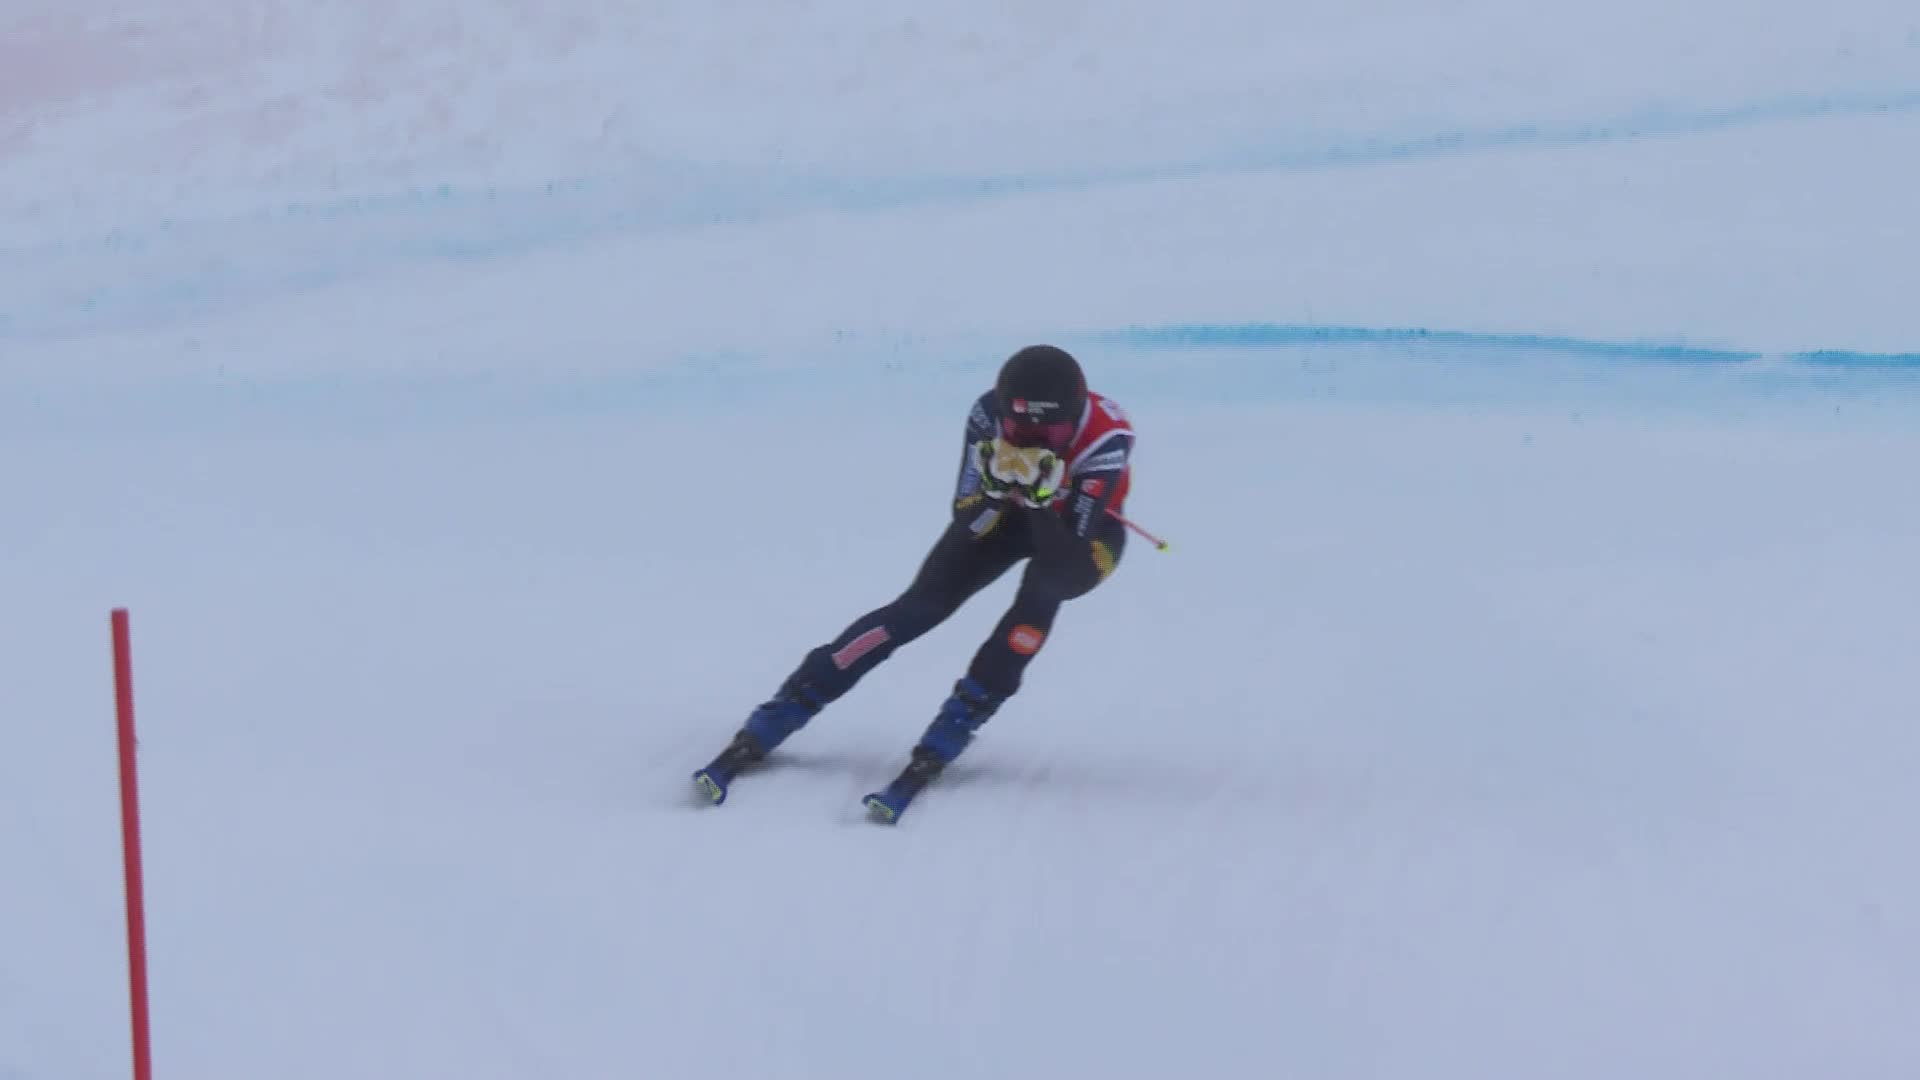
(991,485)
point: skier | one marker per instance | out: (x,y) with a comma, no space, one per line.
(1043,477)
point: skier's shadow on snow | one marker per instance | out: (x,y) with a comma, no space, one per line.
(1105,777)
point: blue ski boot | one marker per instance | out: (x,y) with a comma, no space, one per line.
(950,733)
(766,728)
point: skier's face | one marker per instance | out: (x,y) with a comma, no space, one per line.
(1053,435)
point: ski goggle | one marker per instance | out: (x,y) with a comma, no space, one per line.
(1054,434)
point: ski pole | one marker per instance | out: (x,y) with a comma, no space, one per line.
(1152,539)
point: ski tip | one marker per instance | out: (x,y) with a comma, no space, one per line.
(880,812)
(709,789)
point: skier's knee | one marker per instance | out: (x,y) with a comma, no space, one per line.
(920,609)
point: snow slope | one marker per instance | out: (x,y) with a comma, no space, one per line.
(447,393)
(1718,172)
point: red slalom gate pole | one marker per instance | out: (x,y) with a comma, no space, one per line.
(130,843)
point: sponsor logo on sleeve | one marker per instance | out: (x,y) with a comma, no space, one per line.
(969,479)
(1082,513)
(1107,462)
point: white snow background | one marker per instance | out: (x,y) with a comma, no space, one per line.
(481,405)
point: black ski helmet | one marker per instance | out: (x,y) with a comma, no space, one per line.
(1042,395)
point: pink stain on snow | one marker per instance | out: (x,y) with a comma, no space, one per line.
(173,62)
(47,61)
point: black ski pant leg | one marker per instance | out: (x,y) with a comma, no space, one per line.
(958,566)
(1052,578)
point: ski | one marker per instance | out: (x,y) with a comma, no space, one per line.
(887,805)
(885,808)
(711,785)
(712,782)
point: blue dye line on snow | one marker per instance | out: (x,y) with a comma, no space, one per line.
(1270,335)
(687,193)
(1644,124)
(1201,364)
(1850,358)
(1280,335)
(1649,123)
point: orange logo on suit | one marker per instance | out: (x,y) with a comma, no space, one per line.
(1025,639)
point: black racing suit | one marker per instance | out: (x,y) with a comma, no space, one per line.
(1070,547)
